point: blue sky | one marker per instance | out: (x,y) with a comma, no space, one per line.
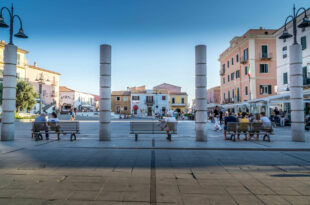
(152,40)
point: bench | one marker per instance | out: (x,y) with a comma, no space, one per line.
(152,127)
(61,127)
(236,128)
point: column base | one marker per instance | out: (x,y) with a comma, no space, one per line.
(201,132)
(104,132)
(298,132)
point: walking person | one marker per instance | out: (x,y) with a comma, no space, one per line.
(170,123)
(72,114)
(216,115)
(282,118)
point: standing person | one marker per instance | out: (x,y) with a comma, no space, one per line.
(282,118)
(216,114)
(39,122)
(221,117)
(229,118)
(72,114)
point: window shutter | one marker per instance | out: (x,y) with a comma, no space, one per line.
(261,68)
(261,89)
(269,89)
(266,71)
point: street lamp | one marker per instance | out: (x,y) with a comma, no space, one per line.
(20,33)
(41,80)
(296,76)
(9,77)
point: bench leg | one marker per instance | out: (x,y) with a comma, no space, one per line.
(71,137)
(136,137)
(58,136)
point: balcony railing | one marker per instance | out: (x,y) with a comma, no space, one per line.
(265,56)
(244,60)
(222,73)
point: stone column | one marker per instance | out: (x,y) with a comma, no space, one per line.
(201,116)
(296,90)
(9,93)
(105,93)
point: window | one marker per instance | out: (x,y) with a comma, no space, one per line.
(305,75)
(183,101)
(303,42)
(265,89)
(228,94)
(227,64)
(246,90)
(149,99)
(246,54)
(125,98)
(237,74)
(237,58)
(223,80)
(135,98)
(18,59)
(245,70)
(284,51)
(285,78)
(232,76)
(118,98)
(173,100)
(125,108)
(232,61)
(228,78)
(264,68)
(163,97)
(264,51)
(233,93)
(224,96)
(223,68)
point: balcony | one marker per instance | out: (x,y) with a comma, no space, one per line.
(149,102)
(222,73)
(265,56)
(244,60)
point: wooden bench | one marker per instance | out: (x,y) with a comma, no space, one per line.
(236,128)
(61,127)
(152,127)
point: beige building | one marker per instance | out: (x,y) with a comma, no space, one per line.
(120,102)
(35,75)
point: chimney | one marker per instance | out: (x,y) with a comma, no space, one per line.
(35,64)
(260,28)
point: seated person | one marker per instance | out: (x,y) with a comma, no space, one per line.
(41,118)
(244,126)
(228,118)
(54,118)
(53,122)
(265,120)
(168,128)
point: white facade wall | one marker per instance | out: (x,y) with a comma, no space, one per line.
(283,63)
(157,106)
(76,99)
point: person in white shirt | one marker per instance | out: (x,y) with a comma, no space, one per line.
(170,125)
(53,118)
(265,120)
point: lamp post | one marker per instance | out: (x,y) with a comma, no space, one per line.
(296,76)
(9,76)
(41,80)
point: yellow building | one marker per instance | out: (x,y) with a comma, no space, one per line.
(178,101)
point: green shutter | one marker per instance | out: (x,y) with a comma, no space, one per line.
(303,42)
(269,89)
(266,70)
(261,89)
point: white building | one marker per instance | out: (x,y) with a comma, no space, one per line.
(303,38)
(74,99)
(149,102)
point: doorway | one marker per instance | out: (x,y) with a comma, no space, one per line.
(149,111)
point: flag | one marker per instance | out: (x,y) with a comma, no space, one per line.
(249,71)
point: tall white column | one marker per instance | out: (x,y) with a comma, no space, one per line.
(105,93)
(296,89)
(9,93)
(201,116)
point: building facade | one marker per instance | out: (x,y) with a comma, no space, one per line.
(303,38)
(70,99)
(121,102)
(214,95)
(178,101)
(35,75)
(149,102)
(248,67)
(168,87)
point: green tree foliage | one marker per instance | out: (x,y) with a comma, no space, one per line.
(25,96)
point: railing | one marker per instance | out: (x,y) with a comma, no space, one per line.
(244,60)
(221,72)
(265,56)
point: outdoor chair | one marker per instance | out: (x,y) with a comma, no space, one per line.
(231,130)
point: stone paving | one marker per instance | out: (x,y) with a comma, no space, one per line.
(152,170)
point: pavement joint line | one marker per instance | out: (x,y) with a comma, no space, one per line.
(196,149)
(153,179)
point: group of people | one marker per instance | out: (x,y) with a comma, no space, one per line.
(245,118)
(43,118)
(239,117)
(280,116)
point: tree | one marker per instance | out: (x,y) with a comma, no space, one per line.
(25,96)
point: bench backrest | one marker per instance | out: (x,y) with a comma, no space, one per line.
(243,126)
(69,125)
(39,126)
(232,126)
(152,126)
(256,126)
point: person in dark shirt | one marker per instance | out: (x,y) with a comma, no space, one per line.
(229,118)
